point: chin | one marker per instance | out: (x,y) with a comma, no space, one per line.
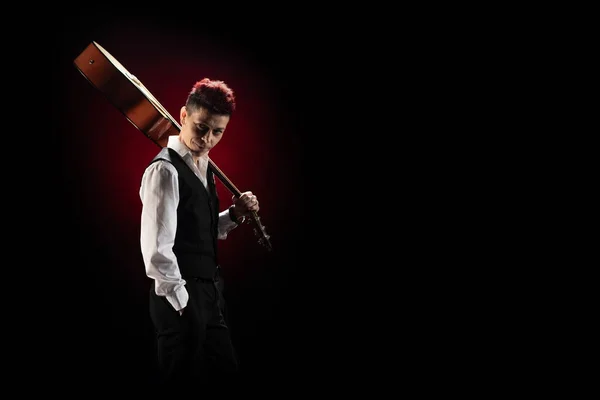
(196,147)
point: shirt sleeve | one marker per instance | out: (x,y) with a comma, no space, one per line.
(225,224)
(159,193)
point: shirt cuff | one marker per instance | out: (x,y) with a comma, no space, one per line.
(226,225)
(233,217)
(179,298)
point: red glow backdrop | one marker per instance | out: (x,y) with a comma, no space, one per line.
(105,155)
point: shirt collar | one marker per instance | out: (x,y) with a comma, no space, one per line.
(184,151)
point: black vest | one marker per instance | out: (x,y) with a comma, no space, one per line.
(197,220)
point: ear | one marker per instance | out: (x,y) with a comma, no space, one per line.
(182,115)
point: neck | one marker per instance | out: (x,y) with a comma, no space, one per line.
(196,156)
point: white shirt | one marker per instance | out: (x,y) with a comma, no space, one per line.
(159,192)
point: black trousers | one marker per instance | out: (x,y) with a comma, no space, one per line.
(193,348)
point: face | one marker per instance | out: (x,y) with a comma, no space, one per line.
(201,130)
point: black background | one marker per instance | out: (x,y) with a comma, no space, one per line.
(388,208)
(343,104)
(300,314)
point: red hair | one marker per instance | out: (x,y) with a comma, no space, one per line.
(215,96)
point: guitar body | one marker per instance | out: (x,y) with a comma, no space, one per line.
(126,93)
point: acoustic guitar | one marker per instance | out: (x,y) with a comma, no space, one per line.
(143,110)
